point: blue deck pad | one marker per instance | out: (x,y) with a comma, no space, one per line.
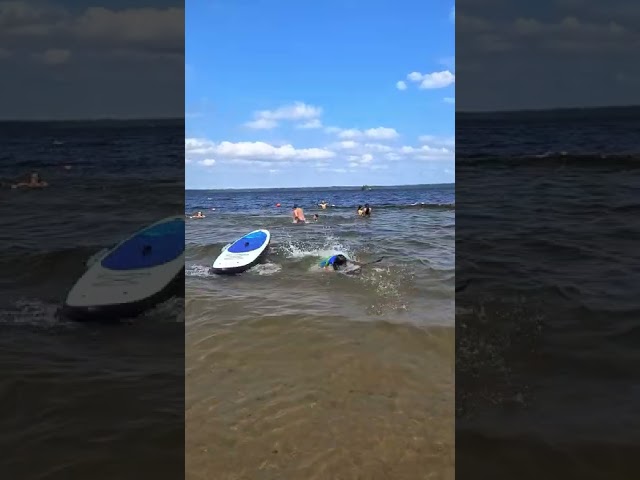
(156,245)
(249,243)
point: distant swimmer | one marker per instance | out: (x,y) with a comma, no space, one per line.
(315,217)
(34,182)
(366,211)
(360,210)
(198,215)
(298,215)
(323,204)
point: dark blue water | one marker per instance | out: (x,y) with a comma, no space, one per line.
(80,395)
(547,330)
(264,201)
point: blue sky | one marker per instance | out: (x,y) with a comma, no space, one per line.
(284,93)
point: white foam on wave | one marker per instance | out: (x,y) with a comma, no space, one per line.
(297,249)
(202,271)
(31,312)
(266,268)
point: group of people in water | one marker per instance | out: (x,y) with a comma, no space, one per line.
(298,213)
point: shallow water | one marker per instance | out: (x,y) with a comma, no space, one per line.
(293,372)
(547,331)
(80,395)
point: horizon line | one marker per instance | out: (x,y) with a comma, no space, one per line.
(332,186)
(546,109)
(184,117)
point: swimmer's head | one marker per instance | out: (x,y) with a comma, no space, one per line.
(340,261)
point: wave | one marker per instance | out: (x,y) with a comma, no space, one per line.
(554,159)
(57,265)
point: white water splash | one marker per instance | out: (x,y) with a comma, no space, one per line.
(31,312)
(296,249)
(266,268)
(202,271)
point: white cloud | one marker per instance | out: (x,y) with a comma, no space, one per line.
(432,80)
(314,123)
(253,151)
(346,145)
(379,133)
(41,24)
(298,111)
(350,133)
(361,159)
(262,124)
(207,162)
(377,147)
(449,100)
(401,85)
(426,152)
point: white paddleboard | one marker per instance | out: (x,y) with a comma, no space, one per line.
(135,275)
(242,254)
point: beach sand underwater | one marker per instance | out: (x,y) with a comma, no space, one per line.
(299,373)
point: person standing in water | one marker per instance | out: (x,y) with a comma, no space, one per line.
(298,215)
(366,211)
(323,204)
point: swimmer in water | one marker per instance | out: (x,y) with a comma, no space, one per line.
(315,217)
(360,210)
(198,215)
(337,262)
(298,215)
(34,182)
(323,204)
(366,211)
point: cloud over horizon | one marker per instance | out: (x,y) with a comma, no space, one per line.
(133,56)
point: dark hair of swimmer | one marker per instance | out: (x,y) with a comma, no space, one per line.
(340,261)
